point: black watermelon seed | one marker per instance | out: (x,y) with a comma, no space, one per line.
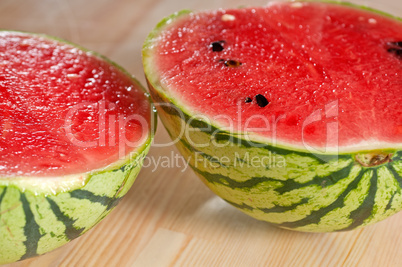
(395,44)
(248,100)
(217,46)
(261,100)
(396,51)
(395,48)
(230,63)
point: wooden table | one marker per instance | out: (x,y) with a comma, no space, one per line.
(169,218)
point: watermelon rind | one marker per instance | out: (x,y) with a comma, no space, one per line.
(40,214)
(295,188)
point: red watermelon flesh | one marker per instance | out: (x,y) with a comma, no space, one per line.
(63,110)
(331,74)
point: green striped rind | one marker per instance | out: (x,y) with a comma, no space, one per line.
(31,225)
(292,189)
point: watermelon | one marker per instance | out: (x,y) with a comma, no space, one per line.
(74,129)
(290,112)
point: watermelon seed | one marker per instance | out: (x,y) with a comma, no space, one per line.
(217,46)
(396,51)
(395,44)
(248,100)
(230,63)
(261,100)
(395,47)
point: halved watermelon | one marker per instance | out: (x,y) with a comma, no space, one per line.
(74,129)
(290,112)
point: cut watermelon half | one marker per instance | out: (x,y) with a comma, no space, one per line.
(290,112)
(313,63)
(74,129)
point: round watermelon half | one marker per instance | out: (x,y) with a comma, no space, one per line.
(74,129)
(289,112)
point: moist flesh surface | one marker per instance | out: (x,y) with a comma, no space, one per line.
(328,75)
(64,111)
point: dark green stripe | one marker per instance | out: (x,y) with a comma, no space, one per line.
(212,159)
(122,168)
(106,201)
(396,175)
(3,194)
(242,206)
(224,180)
(287,185)
(31,230)
(399,180)
(389,205)
(364,211)
(280,209)
(331,179)
(275,209)
(186,145)
(397,156)
(71,232)
(315,216)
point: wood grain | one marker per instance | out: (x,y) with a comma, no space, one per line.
(169,218)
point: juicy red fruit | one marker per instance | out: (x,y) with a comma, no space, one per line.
(63,110)
(320,67)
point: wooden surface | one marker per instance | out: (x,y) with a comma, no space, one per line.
(169,218)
